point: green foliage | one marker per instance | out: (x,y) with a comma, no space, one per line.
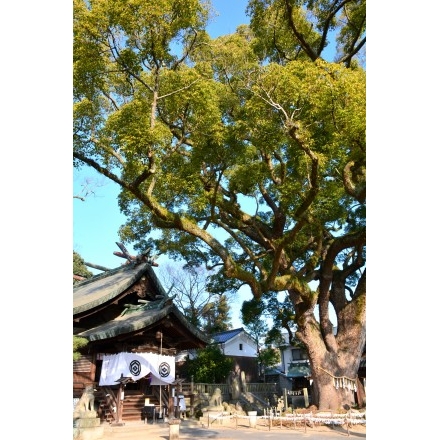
(245,153)
(251,310)
(275,337)
(269,357)
(78,343)
(79,268)
(299,29)
(210,365)
(216,315)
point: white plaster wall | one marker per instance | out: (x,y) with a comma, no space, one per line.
(232,347)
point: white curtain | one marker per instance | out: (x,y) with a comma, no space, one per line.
(136,366)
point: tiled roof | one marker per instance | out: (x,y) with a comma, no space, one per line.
(104,287)
(125,324)
(223,337)
(299,369)
(131,322)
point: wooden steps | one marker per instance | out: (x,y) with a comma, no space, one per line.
(133,405)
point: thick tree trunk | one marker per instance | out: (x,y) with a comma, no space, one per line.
(360,394)
(334,371)
(334,392)
(334,359)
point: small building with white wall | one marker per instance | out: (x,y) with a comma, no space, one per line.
(239,345)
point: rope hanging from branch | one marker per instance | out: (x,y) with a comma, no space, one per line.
(342,381)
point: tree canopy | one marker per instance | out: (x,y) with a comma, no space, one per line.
(78,344)
(210,365)
(246,153)
(79,267)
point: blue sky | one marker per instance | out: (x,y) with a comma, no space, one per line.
(97,219)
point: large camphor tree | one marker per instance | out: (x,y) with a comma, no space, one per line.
(245,153)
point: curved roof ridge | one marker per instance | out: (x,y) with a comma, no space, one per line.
(104,287)
(137,321)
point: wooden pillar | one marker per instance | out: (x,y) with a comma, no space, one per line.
(120,402)
(171,402)
(191,405)
(191,399)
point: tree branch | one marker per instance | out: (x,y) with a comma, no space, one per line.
(300,37)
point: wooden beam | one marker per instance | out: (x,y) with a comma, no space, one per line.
(125,252)
(122,255)
(97,266)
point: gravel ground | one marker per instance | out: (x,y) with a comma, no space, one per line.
(192,430)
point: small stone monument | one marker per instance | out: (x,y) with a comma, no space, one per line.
(174,425)
(86,423)
(252,419)
(235,386)
(215,402)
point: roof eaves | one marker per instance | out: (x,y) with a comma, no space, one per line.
(138,272)
(137,321)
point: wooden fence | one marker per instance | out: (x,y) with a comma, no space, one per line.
(261,390)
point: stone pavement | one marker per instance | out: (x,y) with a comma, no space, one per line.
(192,430)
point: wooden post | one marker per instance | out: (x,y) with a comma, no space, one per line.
(125,253)
(191,399)
(171,409)
(97,266)
(119,403)
(122,381)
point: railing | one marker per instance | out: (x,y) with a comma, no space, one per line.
(261,388)
(162,396)
(194,391)
(107,401)
(80,386)
(209,388)
(288,420)
(201,392)
(110,398)
(189,388)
